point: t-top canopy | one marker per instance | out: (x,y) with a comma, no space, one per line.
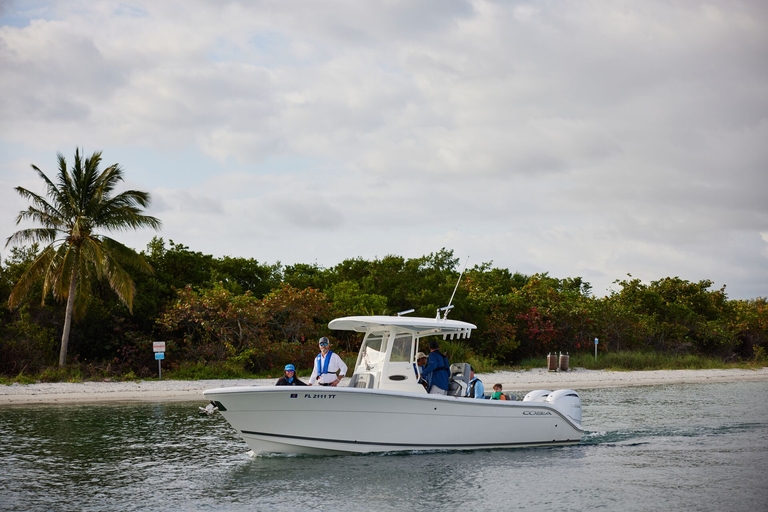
(415,325)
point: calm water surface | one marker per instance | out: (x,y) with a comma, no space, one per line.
(682,447)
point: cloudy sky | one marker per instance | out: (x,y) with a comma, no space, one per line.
(590,138)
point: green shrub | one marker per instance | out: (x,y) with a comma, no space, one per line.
(212,370)
(645,361)
(55,374)
(273,357)
(24,379)
(455,350)
(760,355)
(25,345)
(481,364)
(129,376)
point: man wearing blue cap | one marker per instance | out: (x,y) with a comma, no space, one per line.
(290,379)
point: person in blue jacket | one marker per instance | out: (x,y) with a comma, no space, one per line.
(437,372)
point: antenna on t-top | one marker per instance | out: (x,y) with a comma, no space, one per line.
(449,307)
(407,311)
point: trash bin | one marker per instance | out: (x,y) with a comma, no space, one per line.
(564,362)
(552,362)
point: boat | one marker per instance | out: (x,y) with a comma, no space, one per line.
(386,408)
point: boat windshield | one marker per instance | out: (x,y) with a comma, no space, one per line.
(375,349)
(401,348)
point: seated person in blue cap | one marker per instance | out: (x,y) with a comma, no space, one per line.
(290,379)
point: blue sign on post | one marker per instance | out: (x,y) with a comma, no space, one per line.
(595,349)
(159,356)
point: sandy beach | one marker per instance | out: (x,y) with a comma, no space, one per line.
(522,381)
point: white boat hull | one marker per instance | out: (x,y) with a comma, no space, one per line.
(331,420)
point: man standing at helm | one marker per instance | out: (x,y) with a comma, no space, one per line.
(328,369)
(437,372)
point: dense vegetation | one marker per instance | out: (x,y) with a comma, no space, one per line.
(236,316)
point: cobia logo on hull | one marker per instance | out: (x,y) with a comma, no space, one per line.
(537,413)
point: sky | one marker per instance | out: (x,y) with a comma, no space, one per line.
(590,139)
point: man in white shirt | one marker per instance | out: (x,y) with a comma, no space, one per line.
(328,369)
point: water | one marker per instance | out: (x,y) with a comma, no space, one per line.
(681,447)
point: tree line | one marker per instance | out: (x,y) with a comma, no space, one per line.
(260,316)
(69,289)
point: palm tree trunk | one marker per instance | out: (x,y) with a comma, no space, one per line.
(68,319)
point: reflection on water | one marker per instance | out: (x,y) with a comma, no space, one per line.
(688,447)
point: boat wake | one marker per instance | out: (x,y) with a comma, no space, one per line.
(634,437)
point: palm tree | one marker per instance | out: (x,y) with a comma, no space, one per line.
(76,255)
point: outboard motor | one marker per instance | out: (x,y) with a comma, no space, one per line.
(539,395)
(567,402)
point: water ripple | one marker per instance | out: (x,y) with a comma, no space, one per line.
(687,447)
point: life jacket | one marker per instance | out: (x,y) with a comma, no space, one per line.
(324,369)
(445,366)
(471,391)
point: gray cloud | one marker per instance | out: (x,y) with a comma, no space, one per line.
(579,139)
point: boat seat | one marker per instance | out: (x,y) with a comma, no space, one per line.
(459,379)
(361,381)
(457,388)
(460,372)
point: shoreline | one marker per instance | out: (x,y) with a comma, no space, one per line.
(519,381)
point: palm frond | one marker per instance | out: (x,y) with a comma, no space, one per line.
(45,217)
(123,212)
(42,210)
(51,189)
(44,235)
(62,269)
(84,286)
(92,252)
(51,272)
(108,179)
(120,281)
(105,259)
(37,269)
(125,255)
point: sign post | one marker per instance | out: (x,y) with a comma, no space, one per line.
(595,349)
(158,347)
